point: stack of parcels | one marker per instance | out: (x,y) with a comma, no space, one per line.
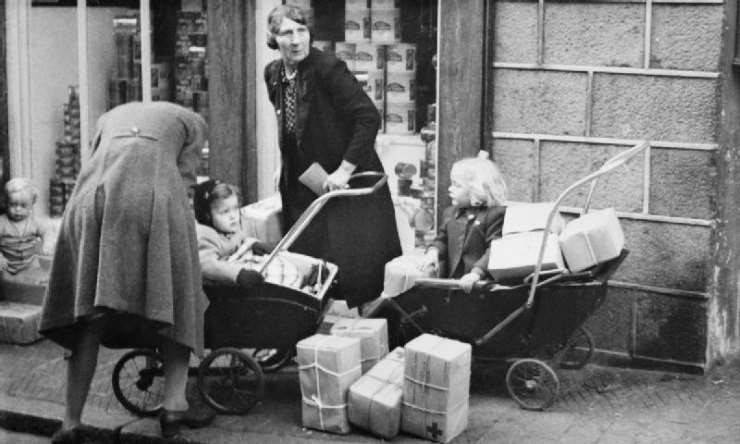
(262,220)
(436,387)
(514,256)
(327,366)
(375,399)
(373,335)
(591,239)
(401,274)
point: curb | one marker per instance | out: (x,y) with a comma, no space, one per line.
(40,426)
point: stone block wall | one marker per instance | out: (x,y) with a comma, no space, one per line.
(577,82)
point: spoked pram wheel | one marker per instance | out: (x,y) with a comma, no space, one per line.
(230,381)
(138,381)
(532,384)
(272,359)
(578,350)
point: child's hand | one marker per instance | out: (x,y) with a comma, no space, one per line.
(3,263)
(244,253)
(467,281)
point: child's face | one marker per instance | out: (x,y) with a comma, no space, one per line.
(225,215)
(20,205)
(459,191)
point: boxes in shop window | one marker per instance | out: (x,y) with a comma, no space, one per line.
(591,239)
(262,219)
(373,334)
(327,367)
(369,56)
(374,401)
(400,118)
(372,84)
(514,256)
(529,217)
(436,387)
(400,87)
(384,4)
(386,25)
(401,57)
(357,25)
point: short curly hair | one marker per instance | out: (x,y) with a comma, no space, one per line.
(275,20)
(21,184)
(483,179)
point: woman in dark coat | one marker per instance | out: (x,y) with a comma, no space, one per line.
(126,262)
(324,116)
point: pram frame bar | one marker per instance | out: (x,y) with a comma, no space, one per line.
(313,209)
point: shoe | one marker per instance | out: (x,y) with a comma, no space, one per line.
(170,421)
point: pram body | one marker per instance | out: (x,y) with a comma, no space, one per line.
(268,317)
(528,326)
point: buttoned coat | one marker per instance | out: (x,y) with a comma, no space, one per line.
(465,237)
(335,121)
(127,243)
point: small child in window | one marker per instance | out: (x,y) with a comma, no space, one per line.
(222,244)
(476,217)
(21,233)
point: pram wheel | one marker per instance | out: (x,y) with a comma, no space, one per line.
(272,359)
(532,384)
(230,381)
(578,350)
(138,381)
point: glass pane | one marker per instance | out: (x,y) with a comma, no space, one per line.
(52,156)
(391,46)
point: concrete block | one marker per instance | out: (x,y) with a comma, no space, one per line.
(547,102)
(683,183)
(687,37)
(515,32)
(562,164)
(657,108)
(600,34)
(670,327)
(666,255)
(611,324)
(517,160)
(19,323)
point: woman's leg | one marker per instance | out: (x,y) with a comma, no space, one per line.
(80,371)
(176,359)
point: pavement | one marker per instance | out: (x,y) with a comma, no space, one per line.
(596,404)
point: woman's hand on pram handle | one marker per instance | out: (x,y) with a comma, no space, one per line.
(249,278)
(467,281)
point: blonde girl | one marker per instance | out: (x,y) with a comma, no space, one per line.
(478,192)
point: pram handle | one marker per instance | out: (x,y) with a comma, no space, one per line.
(313,209)
(608,166)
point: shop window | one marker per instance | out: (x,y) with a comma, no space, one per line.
(61,113)
(391,47)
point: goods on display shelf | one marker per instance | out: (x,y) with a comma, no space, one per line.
(191,61)
(67,162)
(125,84)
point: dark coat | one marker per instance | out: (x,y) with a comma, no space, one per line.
(127,242)
(335,121)
(465,236)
